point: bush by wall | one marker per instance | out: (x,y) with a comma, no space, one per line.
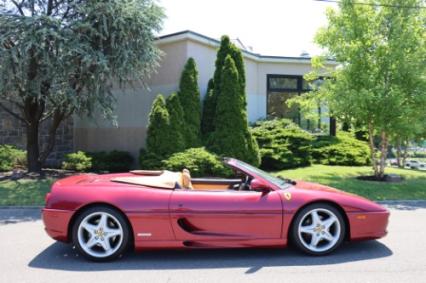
(344,149)
(199,161)
(77,161)
(11,157)
(177,126)
(282,144)
(231,136)
(189,96)
(159,138)
(209,109)
(111,161)
(149,160)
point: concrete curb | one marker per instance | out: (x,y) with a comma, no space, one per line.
(20,207)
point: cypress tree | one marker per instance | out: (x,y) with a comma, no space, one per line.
(226,48)
(159,139)
(209,109)
(176,124)
(189,95)
(231,136)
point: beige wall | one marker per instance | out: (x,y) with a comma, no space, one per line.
(132,109)
(134,103)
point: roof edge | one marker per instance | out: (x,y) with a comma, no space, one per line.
(189,34)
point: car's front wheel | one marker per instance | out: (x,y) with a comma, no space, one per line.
(101,233)
(318,229)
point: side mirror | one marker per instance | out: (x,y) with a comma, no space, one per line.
(260,186)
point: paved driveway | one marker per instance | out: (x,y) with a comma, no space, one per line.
(27,254)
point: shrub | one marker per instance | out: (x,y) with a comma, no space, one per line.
(111,161)
(159,139)
(231,136)
(199,161)
(78,161)
(176,120)
(11,157)
(189,96)
(209,108)
(282,144)
(344,149)
(149,160)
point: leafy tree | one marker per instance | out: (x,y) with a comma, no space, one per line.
(189,95)
(176,123)
(59,57)
(381,80)
(231,136)
(209,109)
(160,140)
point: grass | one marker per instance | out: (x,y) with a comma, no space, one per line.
(344,178)
(24,192)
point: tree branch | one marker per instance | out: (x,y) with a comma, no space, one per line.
(49,7)
(13,114)
(19,6)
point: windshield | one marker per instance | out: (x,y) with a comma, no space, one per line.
(262,174)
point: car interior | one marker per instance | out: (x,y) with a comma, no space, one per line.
(184,181)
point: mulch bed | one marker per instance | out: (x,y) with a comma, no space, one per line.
(19,174)
(389,178)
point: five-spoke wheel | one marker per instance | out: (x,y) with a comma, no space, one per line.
(318,229)
(100,233)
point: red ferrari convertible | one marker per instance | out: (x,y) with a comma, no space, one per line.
(104,215)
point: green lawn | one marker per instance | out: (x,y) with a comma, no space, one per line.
(24,192)
(343,177)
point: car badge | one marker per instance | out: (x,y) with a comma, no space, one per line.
(287,195)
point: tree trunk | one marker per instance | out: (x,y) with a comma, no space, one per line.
(404,153)
(372,149)
(398,152)
(383,154)
(33,153)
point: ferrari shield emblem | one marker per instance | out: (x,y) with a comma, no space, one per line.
(287,195)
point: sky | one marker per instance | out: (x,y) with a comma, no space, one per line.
(270,27)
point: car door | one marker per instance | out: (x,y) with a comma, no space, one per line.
(226,215)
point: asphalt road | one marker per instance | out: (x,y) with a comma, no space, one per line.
(27,254)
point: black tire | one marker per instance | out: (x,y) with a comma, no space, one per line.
(297,241)
(125,243)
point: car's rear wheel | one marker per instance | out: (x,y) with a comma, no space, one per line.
(318,229)
(101,233)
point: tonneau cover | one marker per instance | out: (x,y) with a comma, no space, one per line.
(166,180)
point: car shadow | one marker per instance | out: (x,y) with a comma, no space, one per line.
(60,256)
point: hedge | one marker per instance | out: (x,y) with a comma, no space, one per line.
(198,161)
(282,144)
(344,149)
(11,157)
(111,161)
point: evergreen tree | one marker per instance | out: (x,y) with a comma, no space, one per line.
(189,95)
(159,139)
(226,48)
(231,136)
(176,124)
(209,109)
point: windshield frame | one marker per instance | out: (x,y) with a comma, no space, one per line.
(257,173)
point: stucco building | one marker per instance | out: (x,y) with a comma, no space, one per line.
(270,80)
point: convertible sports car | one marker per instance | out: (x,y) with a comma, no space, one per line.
(104,215)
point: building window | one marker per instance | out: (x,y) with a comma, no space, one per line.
(280,88)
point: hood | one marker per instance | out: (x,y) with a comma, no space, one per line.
(348,200)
